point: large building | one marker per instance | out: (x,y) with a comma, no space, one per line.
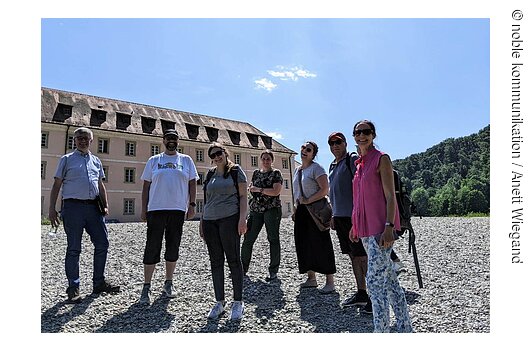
(126,134)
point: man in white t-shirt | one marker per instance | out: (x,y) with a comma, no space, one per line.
(169,191)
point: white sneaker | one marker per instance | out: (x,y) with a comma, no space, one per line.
(237,310)
(217,310)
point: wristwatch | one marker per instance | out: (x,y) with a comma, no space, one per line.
(193,204)
(389,224)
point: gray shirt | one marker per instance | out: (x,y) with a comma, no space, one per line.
(309,180)
(340,186)
(221,196)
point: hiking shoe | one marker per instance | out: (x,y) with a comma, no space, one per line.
(358,299)
(73,295)
(217,310)
(237,310)
(144,297)
(105,287)
(272,276)
(169,290)
(367,309)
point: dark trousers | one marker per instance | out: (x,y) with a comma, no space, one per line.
(76,217)
(160,224)
(271,218)
(222,239)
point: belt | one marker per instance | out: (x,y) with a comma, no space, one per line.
(84,201)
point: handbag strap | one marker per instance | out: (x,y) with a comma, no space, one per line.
(300,181)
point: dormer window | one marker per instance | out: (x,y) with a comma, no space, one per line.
(192,130)
(235,137)
(122,121)
(212,133)
(97,117)
(62,112)
(166,124)
(253,139)
(267,141)
(148,125)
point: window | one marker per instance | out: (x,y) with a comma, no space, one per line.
(62,112)
(155,149)
(201,179)
(199,155)
(286,184)
(235,137)
(237,158)
(253,139)
(130,148)
(44,140)
(285,163)
(122,121)
(192,130)
(288,207)
(106,171)
(103,146)
(129,175)
(200,206)
(253,160)
(71,143)
(128,206)
(97,117)
(148,125)
(212,133)
(43,170)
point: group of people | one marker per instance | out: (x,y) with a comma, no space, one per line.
(360,190)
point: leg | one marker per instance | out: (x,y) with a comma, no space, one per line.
(153,244)
(73,222)
(230,241)
(254,227)
(174,224)
(272,218)
(397,299)
(377,261)
(95,227)
(216,254)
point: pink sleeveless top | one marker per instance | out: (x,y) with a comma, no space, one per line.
(369,203)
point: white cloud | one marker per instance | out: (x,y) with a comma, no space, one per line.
(274,135)
(293,74)
(265,83)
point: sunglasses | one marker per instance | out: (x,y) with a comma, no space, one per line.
(336,142)
(362,131)
(307,149)
(215,154)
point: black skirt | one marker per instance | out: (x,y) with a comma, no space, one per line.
(314,248)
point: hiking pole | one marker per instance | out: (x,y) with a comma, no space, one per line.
(412,245)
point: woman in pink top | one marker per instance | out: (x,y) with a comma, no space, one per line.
(375,218)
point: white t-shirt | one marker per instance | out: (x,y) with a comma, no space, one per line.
(169,177)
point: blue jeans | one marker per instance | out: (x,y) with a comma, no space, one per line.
(76,217)
(384,289)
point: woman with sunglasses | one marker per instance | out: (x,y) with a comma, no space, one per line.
(223,222)
(314,249)
(265,208)
(375,217)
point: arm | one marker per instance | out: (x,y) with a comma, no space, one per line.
(272,192)
(145,199)
(387,179)
(323,184)
(52,213)
(103,196)
(243,206)
(192,189)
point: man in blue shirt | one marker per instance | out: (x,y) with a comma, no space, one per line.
(341,172)
(80,175)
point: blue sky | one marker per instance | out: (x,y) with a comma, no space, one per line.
(419,80)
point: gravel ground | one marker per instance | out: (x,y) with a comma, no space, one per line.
(455,297)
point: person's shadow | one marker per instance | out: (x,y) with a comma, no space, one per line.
(53,319)
(141,319)
(267,296)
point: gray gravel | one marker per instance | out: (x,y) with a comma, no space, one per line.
(454,267)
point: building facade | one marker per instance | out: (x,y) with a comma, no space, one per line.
(126,134)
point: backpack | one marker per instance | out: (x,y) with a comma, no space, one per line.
(404,204)
(233,173)
(348,162)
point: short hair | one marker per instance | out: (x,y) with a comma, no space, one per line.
(83,131)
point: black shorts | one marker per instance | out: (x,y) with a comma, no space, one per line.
(162,223)
(343,227)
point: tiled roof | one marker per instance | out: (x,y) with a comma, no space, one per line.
(77,109)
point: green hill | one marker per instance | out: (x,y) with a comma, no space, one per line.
(450,178)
